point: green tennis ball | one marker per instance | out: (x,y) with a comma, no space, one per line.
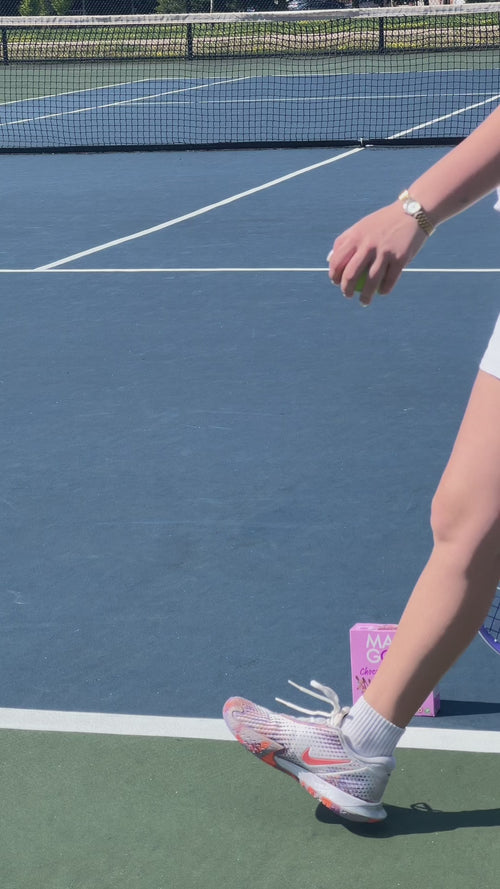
(360,283)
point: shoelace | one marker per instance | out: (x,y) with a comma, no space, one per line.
(334,718)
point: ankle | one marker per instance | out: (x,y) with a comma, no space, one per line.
(369,733)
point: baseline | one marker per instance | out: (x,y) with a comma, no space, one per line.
(467,741)
(224,269)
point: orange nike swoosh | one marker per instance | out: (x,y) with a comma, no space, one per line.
(313,761)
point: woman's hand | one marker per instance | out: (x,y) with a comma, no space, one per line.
(380,245)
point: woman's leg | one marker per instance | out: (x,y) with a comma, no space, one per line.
(345,758)
(455,590)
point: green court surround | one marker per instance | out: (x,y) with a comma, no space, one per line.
(88,811)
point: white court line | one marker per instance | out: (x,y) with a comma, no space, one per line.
(87,89)
(199,212)
(345,97)
(283,100)
(89,108)
(430,123)
(221,270)
(468,741)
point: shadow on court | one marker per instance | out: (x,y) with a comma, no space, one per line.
(467,708)
(419,818)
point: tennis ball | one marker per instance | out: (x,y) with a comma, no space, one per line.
(360,283)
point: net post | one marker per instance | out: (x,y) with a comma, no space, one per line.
(189,33)
(5,47)
(381,40)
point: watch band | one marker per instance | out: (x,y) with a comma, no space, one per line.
(417,211)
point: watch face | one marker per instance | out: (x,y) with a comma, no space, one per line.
(412,207)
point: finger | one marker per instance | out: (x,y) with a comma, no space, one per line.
(366,299)
(372,281)
(328,259)
(390,278)
(358,276)
(338,257)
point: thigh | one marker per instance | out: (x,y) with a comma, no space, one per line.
(470,485)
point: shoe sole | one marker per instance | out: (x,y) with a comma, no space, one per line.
(344,805)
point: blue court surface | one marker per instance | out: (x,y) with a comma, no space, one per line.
(214,465)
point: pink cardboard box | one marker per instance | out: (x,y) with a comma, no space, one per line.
(369,644)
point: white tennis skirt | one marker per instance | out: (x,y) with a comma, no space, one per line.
(490,362)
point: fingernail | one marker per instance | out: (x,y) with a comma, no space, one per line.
(328,258)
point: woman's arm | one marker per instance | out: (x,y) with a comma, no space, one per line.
(386,241)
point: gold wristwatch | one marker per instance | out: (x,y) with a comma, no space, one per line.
(413,208)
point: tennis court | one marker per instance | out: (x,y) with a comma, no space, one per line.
(261,108)
(214,466)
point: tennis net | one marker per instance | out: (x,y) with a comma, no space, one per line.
(353,76)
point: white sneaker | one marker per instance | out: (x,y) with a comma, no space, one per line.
(315,752)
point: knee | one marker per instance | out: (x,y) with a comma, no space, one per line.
(448,512)
(465,519)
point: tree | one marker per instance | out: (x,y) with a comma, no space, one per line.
(45,7)
(34,7)
(62,7)
(164,7)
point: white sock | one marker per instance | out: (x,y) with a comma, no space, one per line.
(369,733)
